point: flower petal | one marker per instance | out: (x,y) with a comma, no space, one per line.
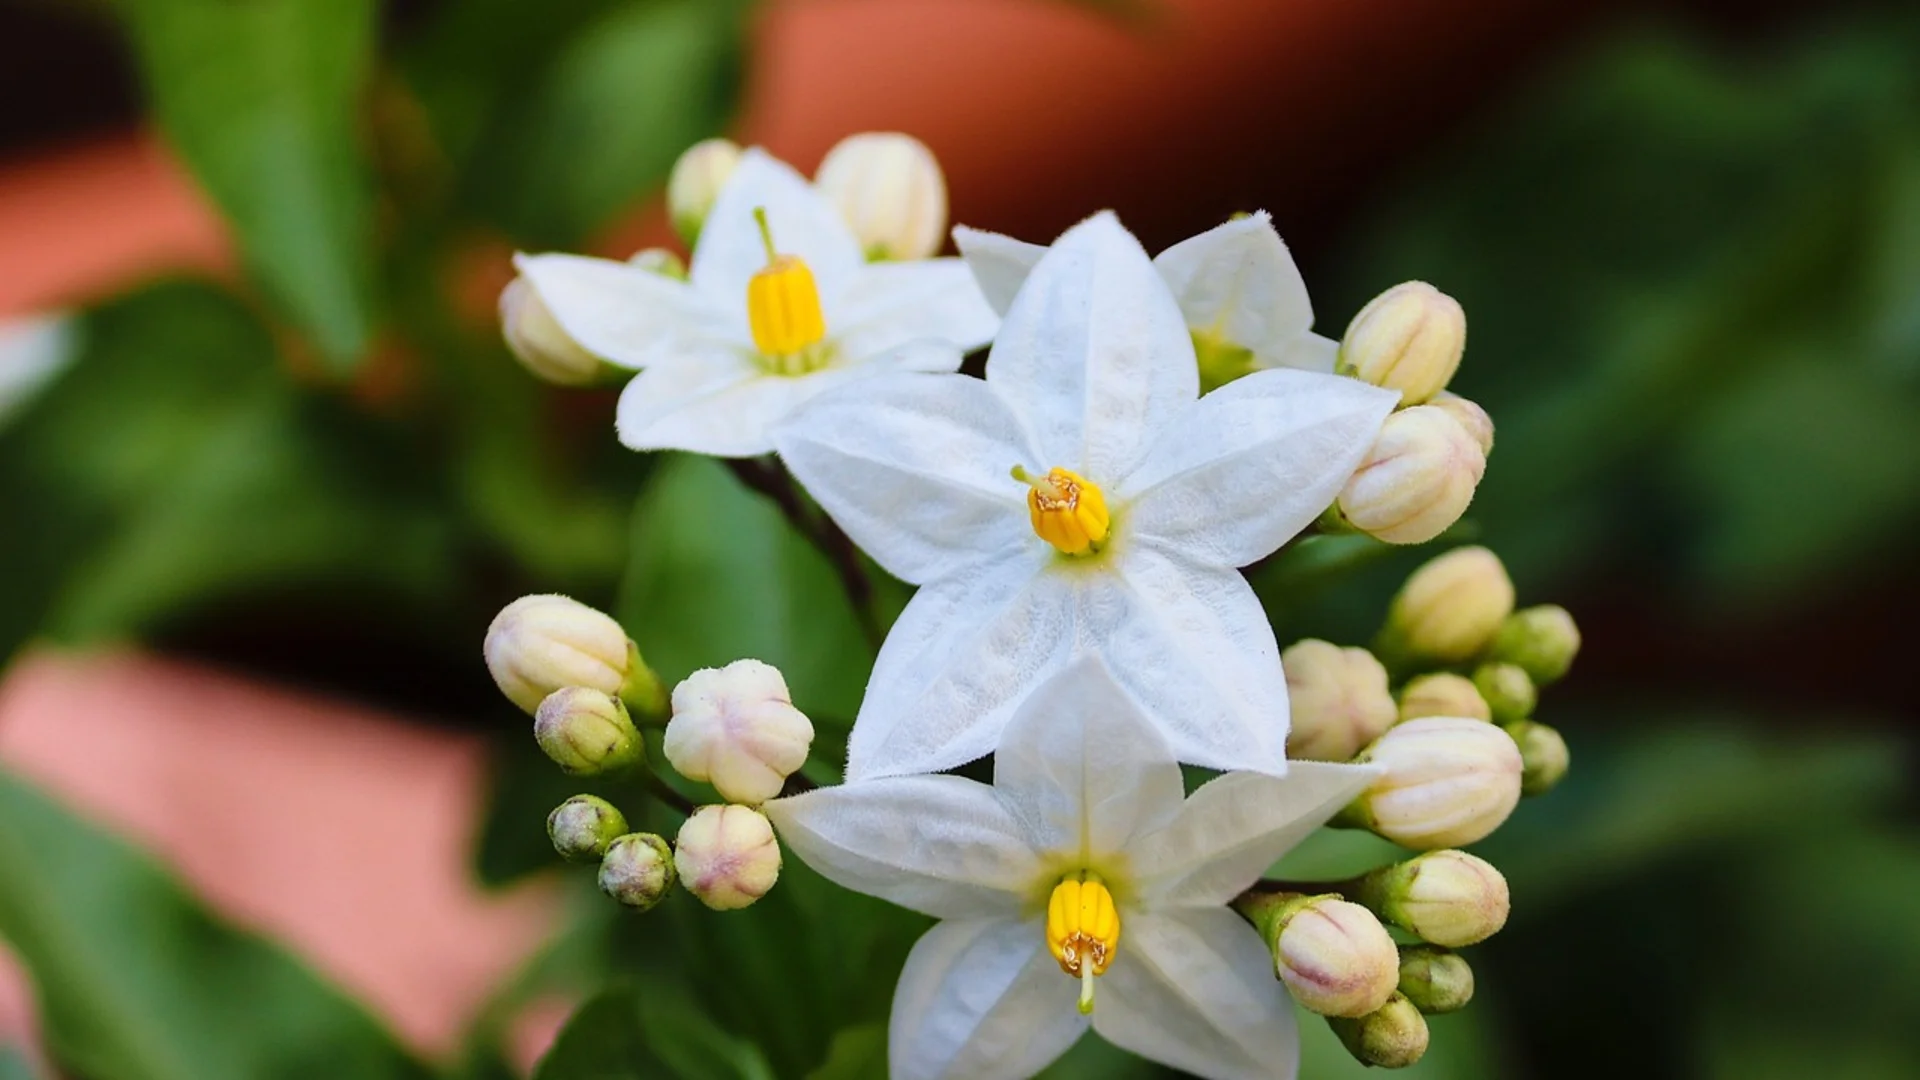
(960,658)
(803,222)
(893,302)
(1309,352)
(981,999)
(1094,354)
(629,316)
(1236,826)
(999,263)
(1083,768)
(1237,280)
(1194,989)
(943,845)
(1247,467)
(914,468)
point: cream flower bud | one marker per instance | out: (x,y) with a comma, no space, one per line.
(1451,608)
(638,870)
(1442,694)
(736,728)
(1435,980)
(1449,781)
(1543,756)
(1333,955)
(1409,338)
(889,188)
(1469,415)
(727,856)
(659,260)
(536,339)
(583,826)
(539,644)
(1416,480)
(587,732)
(1509,693)
(1448,898)
(1542,640)
(1393,1037)
(1339,700)
(697,177)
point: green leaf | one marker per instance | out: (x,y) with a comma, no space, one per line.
(138,982)
(261,98)
(651,1033)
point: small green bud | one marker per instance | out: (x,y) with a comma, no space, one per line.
(1333,955)
(1409,338)
(659,260)
(727,855)
(1508,691)
(1448,781)
(1541,640)
(638,870)
(1449,609)
(1393,1037)
(1338,699)
(695,182)
(583,826)
(1442,694)
(1447,898)
(1543,756)
(1434,979)
(587,732)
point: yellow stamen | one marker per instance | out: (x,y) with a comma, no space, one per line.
(783,303)
(1083,930)
(1068,510)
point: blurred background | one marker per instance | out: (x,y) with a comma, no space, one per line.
(266,472)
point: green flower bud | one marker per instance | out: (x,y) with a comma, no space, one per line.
(1541,640)
(889,189)
(538,341)
(587,732)
(1450,609)
(540,644)
(1508,690)
(695,184)
(659,260)
(1442,694)
(1447,898)
(638,870)
(1333,955)
(1470,415)
(1543,756)
(1416,480)
(1409,338)
(1448,781)
(1338,698)
(583,826)
(727,856)
(1435,980)
(1393,1037)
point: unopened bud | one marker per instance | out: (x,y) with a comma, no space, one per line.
(1338,698)
(736,728)
(1542,640)
(1435,980)
(727,856)
(1442,694)
(1393,1037)
(889,188)
(539,644)
(583,826)
(1451,607)
(638,870)
(1510,694)
(1333,955)
(1447,898)
(695,184)
(1543,756)
(587,732)
(539,342)
(1469,415)
(1417,479)
(1449,781)
(659,260)
(1409,338)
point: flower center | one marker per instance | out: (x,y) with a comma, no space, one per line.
(783,307)
(1083,930)
(1068,510)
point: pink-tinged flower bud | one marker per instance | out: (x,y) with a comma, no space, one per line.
(889,188)
(1393,1037)
(727,856)
(1409,338)
(1417,479)
(1449,781)
(1442,694)
(1509,693)
(1333,955)
(1447,898)
(736,728)
(1542,640)
(695,183)
(1470,416)
(1435,980)
(538,341)
(1450,609)
(583,826)
(1338,699)
(540,644)
(587,732)
(638,870)
(1543,755)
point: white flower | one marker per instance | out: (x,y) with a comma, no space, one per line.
(715,378)
(1140,500)
(1078,889)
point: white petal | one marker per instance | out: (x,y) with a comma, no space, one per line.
(1247,467)
(804,223)
(1238,281)
(942,845)
(1309,352)
(915,469)
(999,263)
(1236,826)
(981,1000)
(1194,989)
(1083,768)
(629,316)
(1192,646)
(961,657)
(893,302)
(1094,355)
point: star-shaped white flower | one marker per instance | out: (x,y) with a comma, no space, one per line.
(706,382)
(1092,396)
(1079,890)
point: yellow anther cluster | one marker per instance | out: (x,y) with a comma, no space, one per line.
(1068,510)
(1083,930)
(783,303)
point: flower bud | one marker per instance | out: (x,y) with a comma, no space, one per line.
(537,340)
(1543,756)
(1409,338)
(1339,700)
(1541,640)
(1442,694)
(659,260)
(638,870)
(1450,608)
(1448,898)
(1449,781)
(1508,692)
(583,826)
(1469,415)
(889,188)
(736,728)
(727,856)
(587,732)
(695,183)
(1435,980)
(539,644)
(1417,479)
(1334,956)
(1393,1037)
